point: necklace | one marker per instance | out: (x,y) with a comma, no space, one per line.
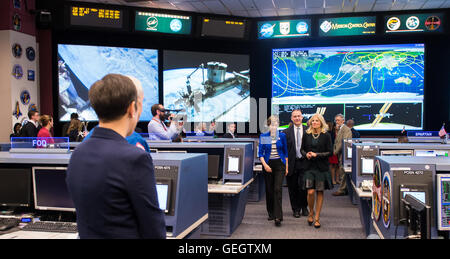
(315,136)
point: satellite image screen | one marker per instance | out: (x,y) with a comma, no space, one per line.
(80,66)
(380,87)
(207,86)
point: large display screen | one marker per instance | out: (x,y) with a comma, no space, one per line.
(207,86)
(380,87)
(80,66)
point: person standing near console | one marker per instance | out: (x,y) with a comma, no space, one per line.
(157,130)
(111,182)
(343,133)
(273,154)
(31,129)
(294,178)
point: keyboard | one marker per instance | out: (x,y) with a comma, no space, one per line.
(7,221)
(51,226)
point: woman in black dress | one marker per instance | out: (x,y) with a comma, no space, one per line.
(316,147)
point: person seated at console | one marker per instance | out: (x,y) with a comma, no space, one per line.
(157,130)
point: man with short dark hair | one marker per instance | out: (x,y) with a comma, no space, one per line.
(31,129)
(351,123)
(157,130)
(111,182)
(294,178)
(231,131)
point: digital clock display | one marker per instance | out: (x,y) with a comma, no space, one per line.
(96,17)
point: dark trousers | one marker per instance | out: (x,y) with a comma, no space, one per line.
(274,182)
(297,194)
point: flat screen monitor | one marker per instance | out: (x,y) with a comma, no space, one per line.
(207,86)
(50,189)
(435,153)
(396,152)
(80,66)
(213,166)
(349,152)
(443,201)
(380,87)
(367,165)
(163,188)
(15,187)
(233,164)
(418,195)
(227,28)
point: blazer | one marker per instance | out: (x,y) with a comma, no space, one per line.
(228,135)
(29,130)
(113,187)
(266,148)
(324,149)
(342,134)
(292,154)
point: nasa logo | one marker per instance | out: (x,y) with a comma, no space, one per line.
(266,30)
(176,25)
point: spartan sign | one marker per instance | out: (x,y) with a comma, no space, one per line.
(285,28)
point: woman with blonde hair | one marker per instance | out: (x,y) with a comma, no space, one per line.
(75,127)
(316,147)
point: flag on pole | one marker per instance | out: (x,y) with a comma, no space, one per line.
(442,132)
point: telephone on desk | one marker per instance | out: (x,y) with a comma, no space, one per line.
(366,185)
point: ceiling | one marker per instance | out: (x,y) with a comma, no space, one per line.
(266,8)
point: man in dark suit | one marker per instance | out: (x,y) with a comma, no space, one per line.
(111,182)
(294,178)
(231,131)
(32,127)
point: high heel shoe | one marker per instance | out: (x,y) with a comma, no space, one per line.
(317,221)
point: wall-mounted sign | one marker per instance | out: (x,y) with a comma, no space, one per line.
(213,27)
(96,17)
(16,4)
(17,22)
(17,50)
(429,22)
(25,97)
(17,113)
(347,26)
(30,75)
(165,23)
(31,54)
(284,29)
(17,72)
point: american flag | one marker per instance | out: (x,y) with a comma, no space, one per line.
(442,132)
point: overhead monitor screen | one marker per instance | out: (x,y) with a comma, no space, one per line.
(223,28)
(414,23)
(96,17)
(380,87)
(284,29)
(435,153)
(367,166)
(163,22)
(80,66)
(163,195)
(207,86)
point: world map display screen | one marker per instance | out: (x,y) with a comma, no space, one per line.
(380,87)
(80,66)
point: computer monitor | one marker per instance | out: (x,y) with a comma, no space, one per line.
(397,152)
(213,166)
(418,217)
(233,165)
(443,201)
(418,191)
(163,188)
(367,166)
(50,189)
(349,152)
(434,153)
(15,187)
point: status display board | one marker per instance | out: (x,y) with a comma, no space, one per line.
(96,17)
(163,22)
(347,26)
(227,28)
(284,29)
(425,22)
